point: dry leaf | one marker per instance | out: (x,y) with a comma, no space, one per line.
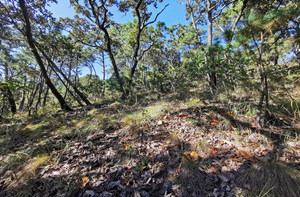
(214,122)
(213,151)
(213,169)
(232,128)
(248,156)
(195,156)
(82,184)
(253,125)
(146,127)
(235,159)
(231,115)
(178,169)
(221,142)
(160,122)
(187,156)
(126,147)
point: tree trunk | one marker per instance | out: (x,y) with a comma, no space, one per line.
(38,58)
(262,83)
(56,69)
(103,66)
(8,91)
(212,75)
(39,96)
(45,97)
(21,106)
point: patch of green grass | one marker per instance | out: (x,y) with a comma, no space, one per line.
(63,129)
(193,120)
(192,102)
(251,111)
(149,113)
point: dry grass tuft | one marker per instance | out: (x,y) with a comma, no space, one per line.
(28,171)
(272,179)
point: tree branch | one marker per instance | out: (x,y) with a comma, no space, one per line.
(156,16)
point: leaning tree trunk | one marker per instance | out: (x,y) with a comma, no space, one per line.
(38,58)
(56,69)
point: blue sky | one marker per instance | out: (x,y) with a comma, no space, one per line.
(173,14)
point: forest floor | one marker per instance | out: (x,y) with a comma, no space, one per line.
(163,145)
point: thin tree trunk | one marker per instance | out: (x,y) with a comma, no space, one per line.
(103,66)
(56,69)
(69,76)
(39,97)
(262,82)
(213,79)
(38,58)
(9,93)
(45,97)
(21,106)
(47,92)
(30,102)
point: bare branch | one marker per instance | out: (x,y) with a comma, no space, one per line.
(156,16)
(221,10)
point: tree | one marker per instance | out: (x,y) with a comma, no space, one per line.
(98,16)
(31,44)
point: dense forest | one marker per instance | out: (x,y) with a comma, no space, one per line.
(206,108)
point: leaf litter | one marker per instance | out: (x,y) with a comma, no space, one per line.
(190,152)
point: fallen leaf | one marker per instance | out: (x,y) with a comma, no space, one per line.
(221,142)
(85,180)
(187,156)
(232,128)
(195,156)
(248,156)
(235,159)
(126,147)
(178,169)
(146,127)
(253,125)
(237,153)
(231,115)
(213,151)
(214,122)
(160,122)
(213,169)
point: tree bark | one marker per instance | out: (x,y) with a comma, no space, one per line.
(56,69)
(103,66)
(9,93)
(62,102)
(21,105)
(212,75)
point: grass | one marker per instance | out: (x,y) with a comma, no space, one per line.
(192,102)
(30,157)
(147,114)
(28,171)
(272,179)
